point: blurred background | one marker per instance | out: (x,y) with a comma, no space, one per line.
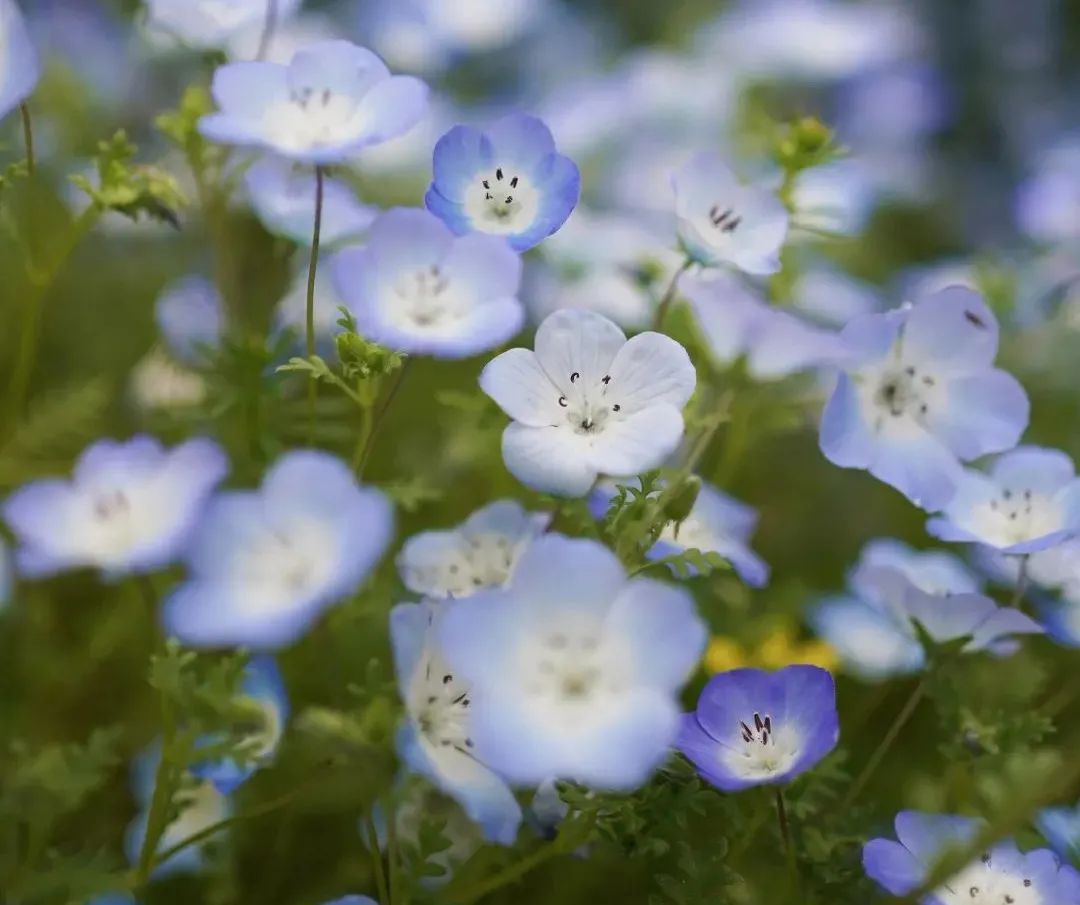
(961,163)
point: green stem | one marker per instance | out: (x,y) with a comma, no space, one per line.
(785,837)
(26,354)
(313,266)
(669,295)
(28,137)
(1021,584)
(512,873)
(379,418)
(269,26)
(164,782)
(394,892)
(376,859)
(886,743)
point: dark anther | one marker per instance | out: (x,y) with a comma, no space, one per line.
(487,196)
(447,679)
(326,96)
(498,174)
(513,183)
(509,199)
(1027,882)
(606,380)
(747,734)
(487,184)
(562,401)
(432,699)
(574,376)
(975,319)
(616,407)
(732,225)
(910,371)
(757,722)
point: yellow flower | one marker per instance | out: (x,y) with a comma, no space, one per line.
(778,649)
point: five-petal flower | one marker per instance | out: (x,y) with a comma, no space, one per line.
(587,401)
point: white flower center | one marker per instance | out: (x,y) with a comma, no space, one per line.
(286,564)
(425,298)
(570,668)
(762,749)
(482,561)
(313,117)
(502,201)
(1016,515)
(587,409)
(439,706)
(900,392)
(117,520)
(982,884)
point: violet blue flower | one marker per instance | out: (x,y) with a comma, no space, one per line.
(417,288)
(20,67)
(191,318)
(589,402)
(919,392)
(333,100)
(722,221)
(575,668)
(508,181)
(129,507)
(283,197)
(436,737)
(753,727)
(479,553)
(1028,503)
(1001,874)
(266,563)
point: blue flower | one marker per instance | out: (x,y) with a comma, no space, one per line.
(1061,827)
(209,24)
(1046,202)
(589,402)
(20,67)
(283,197)
(267,562)
(717,523)
(129,508)
(353,900)
(112,898)
(202,806)
(753,727)
(333,100)
(737,322)
(1029,502)
(417,288)
(1001,874)
(508,181)
(722,221)
(191,318)
(263,688)
(919,392)
(574,669)
(479,553)
(436,738)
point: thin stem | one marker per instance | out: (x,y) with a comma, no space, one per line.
(380,417)
(313,266)
(785,836)
(1021,584)
(504,877)
(28,137)
(157,818)
(376,859)
(886,743)
(394,892)
(269,26)
(669,295)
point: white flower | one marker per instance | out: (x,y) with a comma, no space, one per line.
(480,553)
(589,402)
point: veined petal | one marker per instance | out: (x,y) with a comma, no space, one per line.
(522,389)
(651,369)
(575,341)
(550,459)
(643,440)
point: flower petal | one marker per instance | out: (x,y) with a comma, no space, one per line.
(522,389)
(550,459)
(650,369)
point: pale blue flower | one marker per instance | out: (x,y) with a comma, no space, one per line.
(574,668)
(20,67)
(1048,201)
(191,318)
(283,197)
(263,689)
(333,100)
(208,24)
(417,288)
(918,393)
(266,563)
(589,402)
(1061,827)
(479,553)
(1001,874)
(1027,503)
(722,221)
(129,507)
(508,181)
(435,739)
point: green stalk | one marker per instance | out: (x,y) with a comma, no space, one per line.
(28,137)
(376,859)
(313,266)
(669,296)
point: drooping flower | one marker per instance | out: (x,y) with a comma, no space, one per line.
(753,727)
(575,668)
(333,100)
(20,67)
(736,322)
(1061,828)
(721,221)
(1001,874)
(417,288)
(129,507)
(436,738)
(190,318)
(479,553)
(209,24)
(717,523)
(919,392)
(1028,503)
(202,806)
(589,402)
(266,563)
(283,197)
(263,689)
(508,181)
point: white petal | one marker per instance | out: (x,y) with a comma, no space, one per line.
(576,341)
(520,388)
(629,446)
(551,459)
(651,369)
